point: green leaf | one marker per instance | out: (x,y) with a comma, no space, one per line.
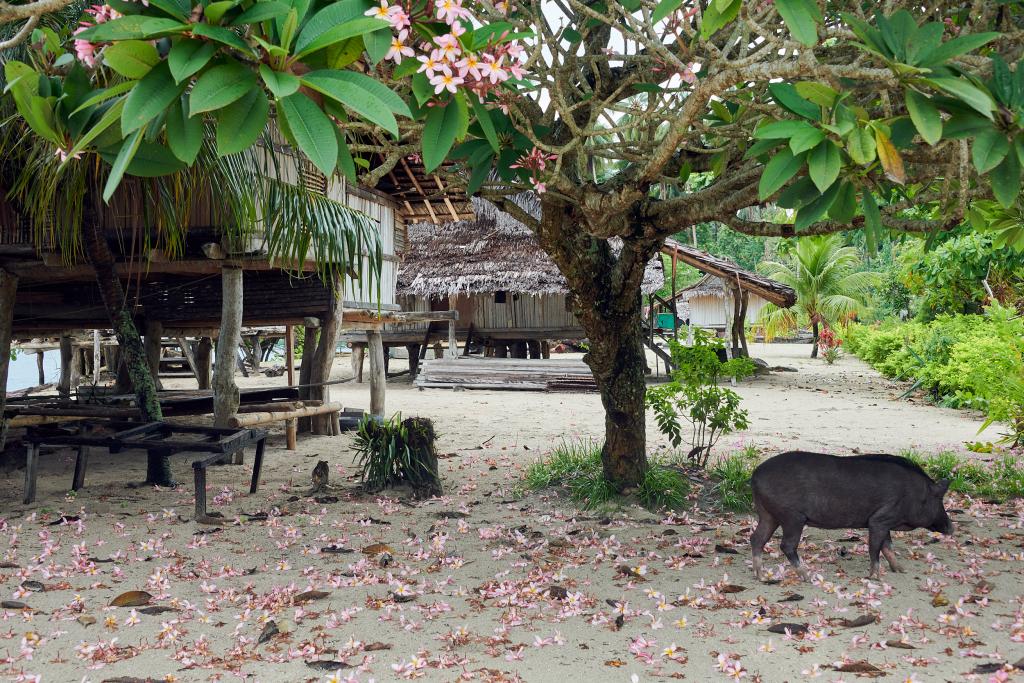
(872,220)
(131,58)
(957,46)
(422,89)
(760,147)
(336,22)
(241,123)
(924,115)
(788,97)
(664,8)
(1005,180)
(989,150)
(782,130)
(801,18)
(184,133)
(153,160)
(220,86)
(815,210)
(572,35)
(224,36)
(800,193)
(280,83)
(149,98)
(355,92)
(439,133)
(777,173)
(823,164)
(23,84)
(714,19)
(178,9)
(261,11)
(805,139)
(844,207)
(214,11)
(312,130)
(483,117)
(818,93)
(346,164)
(129,146)
(377,44)
(110,116)
(860,145)
(188,56)
(965,92)
(131,27)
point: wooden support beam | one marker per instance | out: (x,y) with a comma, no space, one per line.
(363,316)
(375,346)
(323,358)
(453,343)
(8,290)
(358,354)
(186,351)
(66,358)
(225,391)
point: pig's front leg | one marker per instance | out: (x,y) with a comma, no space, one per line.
(876,539)
(890,556)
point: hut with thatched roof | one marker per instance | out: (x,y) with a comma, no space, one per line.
(510,296)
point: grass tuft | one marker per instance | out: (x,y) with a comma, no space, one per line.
(576,467)
(731,476)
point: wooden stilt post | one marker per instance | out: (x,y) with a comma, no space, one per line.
(545,349)
(66,359)
(453,342)
(225,391)
(358,354)
(95,357)
(39,367)
(375,347)
(323,359)
(204,350)
(744,300)
(289,353)
(154,335)
(533,346)
(413,351)
(186,351)
(8,289)
(311,333)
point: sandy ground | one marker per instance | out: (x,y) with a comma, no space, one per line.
(482,585)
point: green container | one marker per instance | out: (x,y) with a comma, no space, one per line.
(664,321)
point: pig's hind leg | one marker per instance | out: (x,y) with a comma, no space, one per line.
(792,530)
(889,555)
(766,526)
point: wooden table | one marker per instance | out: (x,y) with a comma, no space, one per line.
(153,437)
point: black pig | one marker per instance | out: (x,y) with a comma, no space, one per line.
(879,493)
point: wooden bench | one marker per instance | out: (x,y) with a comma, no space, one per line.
(153,437)
(289,413)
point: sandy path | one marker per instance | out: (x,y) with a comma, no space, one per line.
(477,563)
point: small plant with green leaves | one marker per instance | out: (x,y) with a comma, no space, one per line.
(576,467)
(397,451)
(997,480)
(694,395)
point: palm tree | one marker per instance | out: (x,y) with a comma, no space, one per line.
(63,204)
(830,287)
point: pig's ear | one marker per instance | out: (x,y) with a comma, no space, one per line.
(940,487)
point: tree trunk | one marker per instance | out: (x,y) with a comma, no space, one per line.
(8,290)
(133,354)
(616,358)
(225,391)
(154,349)
(204,349)
(309,341)
(606,297)
(814,331)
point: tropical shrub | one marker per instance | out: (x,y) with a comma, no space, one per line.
(964,361)
(829,342)
(694,395)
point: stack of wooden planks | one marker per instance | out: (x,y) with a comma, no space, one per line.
(556,374)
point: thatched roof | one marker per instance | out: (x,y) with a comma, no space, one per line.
(768,289)
(492,253)
(709,285)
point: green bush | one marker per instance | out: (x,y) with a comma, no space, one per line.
(964,361)
(732,479)
(997,480)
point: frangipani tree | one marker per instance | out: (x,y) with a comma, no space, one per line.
(889,121)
